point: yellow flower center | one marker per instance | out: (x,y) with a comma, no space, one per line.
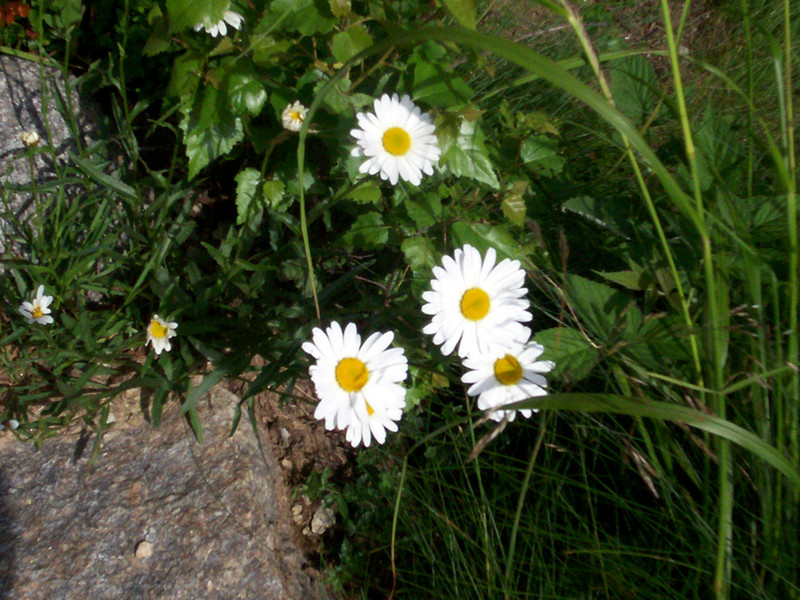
(157,330)
(352,375)
(396,141)
(37,312)
(475,304)
(295,116)
(507,370)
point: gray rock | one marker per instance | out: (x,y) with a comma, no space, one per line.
(32,99)
(157,517)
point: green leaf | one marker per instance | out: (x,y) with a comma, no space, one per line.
(368,232)
(346,44)
(664,411)
(210,131)
(424,209)
(339,8)
(573,355)
(246,186)
(246,93)
(634,87)
(538,153)
(513,204)
(465,155)
(431,82)
(602,309)
(274,193)
(483,237)
(462,10)
(187,70)
(184,14)
(206,145)
(419,253)
(367,192)
(605,214)
(304,16)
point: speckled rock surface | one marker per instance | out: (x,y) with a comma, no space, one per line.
(157,517)
(32,99)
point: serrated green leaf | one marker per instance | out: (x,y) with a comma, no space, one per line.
(424,209)
(483,237)
(604,214)
(603,310)
(368,192)
(187,71)
(246,186)
(513,204)
(462,10)
(539,154)
(346,44)
(206,145)
(246,93)
(274,195)
(159,39)
(634,87)
(633,280)
(267,50)
(304,16)
(419,254)
(431,82)
(184,14)
(568,348)
(466,155)
(339,8)
(368,232)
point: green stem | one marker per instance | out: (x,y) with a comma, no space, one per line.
(791,214)
(725,527)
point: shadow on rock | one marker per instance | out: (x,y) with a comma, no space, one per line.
(7,540)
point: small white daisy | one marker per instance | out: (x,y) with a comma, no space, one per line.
(358,384)
(233,19)
(30,138)
(293,115)
(398,139)
(37,311)
(159,332)
(507,376)
(476,304)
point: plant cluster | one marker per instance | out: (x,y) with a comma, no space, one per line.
(274,165)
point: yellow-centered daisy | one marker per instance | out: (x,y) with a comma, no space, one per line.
(293,116)
(37,310)
(475,304)
(159,333)
(506,376)
(358,385)
(398,139)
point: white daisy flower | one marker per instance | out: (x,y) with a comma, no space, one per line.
(293,115)
(233,19)
(398,140)
(507,376)
(30,138)
(159,332)
(358,384)
(476,304)
(37,311)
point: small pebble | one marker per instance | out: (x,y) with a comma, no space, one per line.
(323,519)
(286,464)
(144,549)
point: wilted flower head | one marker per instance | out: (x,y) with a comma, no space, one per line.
(30,138)
(37,311)
(293,116)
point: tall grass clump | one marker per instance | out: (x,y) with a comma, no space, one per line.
(648,191)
